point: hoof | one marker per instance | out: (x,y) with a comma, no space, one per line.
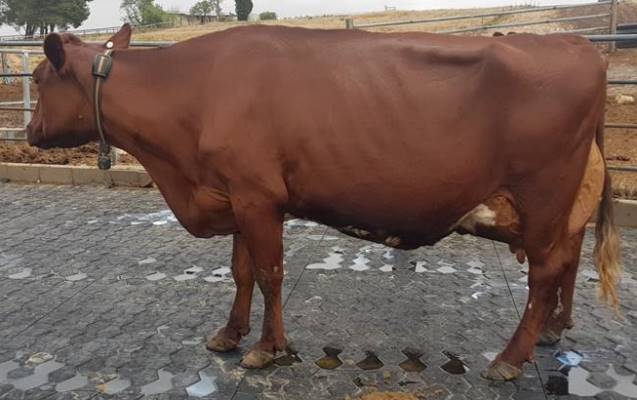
(548,338)
(257,359)
(501,371)
(222,344)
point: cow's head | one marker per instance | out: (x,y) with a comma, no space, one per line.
(65,114)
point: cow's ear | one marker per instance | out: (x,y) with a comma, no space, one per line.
(121,40)
(54,50)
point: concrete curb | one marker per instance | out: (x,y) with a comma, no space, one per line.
(626,213)
(128,176)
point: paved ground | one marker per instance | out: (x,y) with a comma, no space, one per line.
(103,295)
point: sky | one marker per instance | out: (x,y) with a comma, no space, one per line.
(106,13)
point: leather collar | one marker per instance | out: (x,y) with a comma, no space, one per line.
(102,65)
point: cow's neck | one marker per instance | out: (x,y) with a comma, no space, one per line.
(142,113)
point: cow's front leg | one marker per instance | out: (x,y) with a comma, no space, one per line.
(238,326)
(262,228)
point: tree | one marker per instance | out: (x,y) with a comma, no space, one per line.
(216,5)
(202,9)
(44,16)
(143,12)
(268,15)
(243,8)
(205,7)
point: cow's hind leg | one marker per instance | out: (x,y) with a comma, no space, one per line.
(561,318)
(544,276)
(238,326)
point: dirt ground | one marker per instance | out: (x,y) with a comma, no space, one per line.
(85,155)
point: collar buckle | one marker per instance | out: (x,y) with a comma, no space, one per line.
(104,161)
(102,65)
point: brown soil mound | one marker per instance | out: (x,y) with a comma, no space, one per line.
(430,393)
(85,155)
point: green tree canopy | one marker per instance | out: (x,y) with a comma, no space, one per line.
(243,8)
(143,12)
(201,9)
(206,7)
(268,15)
(44,16)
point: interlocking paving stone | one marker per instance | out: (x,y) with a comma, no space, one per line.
(124,299)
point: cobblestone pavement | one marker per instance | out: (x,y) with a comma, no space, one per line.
(103,295)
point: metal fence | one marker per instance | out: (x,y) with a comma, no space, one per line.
(111,30)
(610,4)
(18,134)
(24,105)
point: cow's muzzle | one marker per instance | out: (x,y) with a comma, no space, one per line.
(34,134)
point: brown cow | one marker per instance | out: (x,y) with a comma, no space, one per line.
(397,138)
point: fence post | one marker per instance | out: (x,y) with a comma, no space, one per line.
(349,23)
(114,156)
(5,68)
(26,88)
(613,24)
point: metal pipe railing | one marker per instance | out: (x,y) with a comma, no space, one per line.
(487,15)
(517,24)
(20,51)
(19,75)
(585,30)
(621,126)
(38,43)
(16,109)
(622,82)
(622,168)
(611,38)
(15,103)
(96,31)
(25,75)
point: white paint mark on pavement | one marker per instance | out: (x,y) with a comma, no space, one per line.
(25,273)
(331,262)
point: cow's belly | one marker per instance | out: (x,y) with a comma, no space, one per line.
(406,224)
(411,223)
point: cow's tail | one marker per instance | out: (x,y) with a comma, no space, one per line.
(606,253)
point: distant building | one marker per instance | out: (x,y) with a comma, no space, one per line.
(187,19)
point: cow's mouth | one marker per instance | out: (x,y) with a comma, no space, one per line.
(34,137)
(40,140)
